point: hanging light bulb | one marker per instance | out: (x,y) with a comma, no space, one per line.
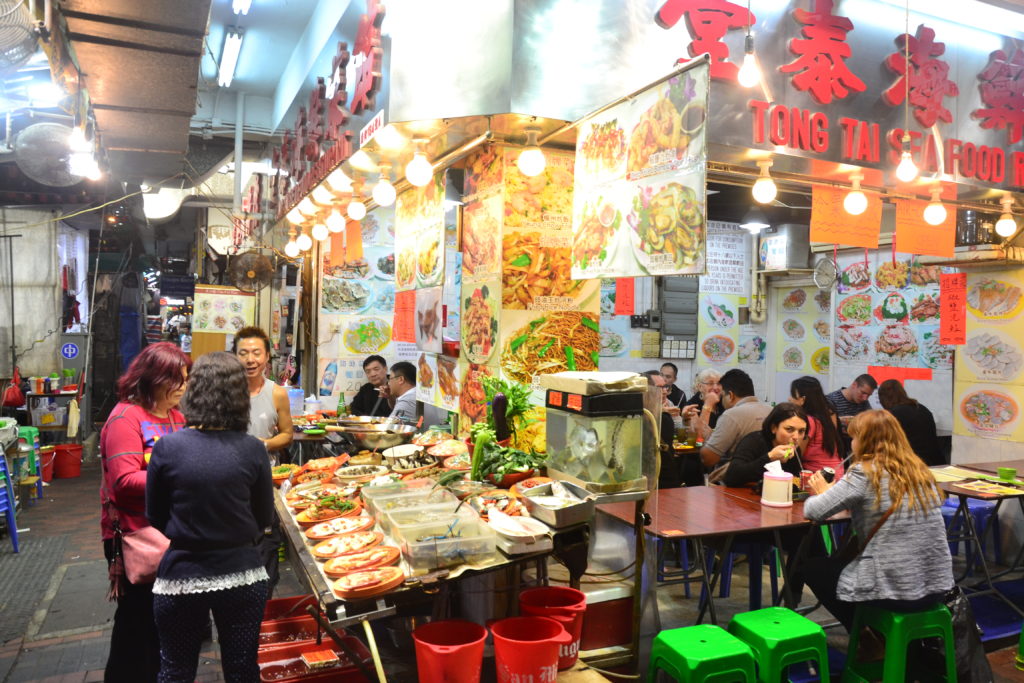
(750,73)
(338,182)
(295,217)
(855,202)
(322,195)
(1006,226)
(291,250)
(764,189)
(356,209)
(419,170)
(307,208)
(531,160)
(384,192)
(907,169)
(335,221)
(320,232)
(935,212)
(304,241)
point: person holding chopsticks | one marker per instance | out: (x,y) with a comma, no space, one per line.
(778,439)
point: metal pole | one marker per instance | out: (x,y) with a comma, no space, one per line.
(236,210)
(10,270)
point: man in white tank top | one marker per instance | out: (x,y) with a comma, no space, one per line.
(270,418)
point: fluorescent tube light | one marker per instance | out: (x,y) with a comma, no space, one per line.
(229,56)
(241,6)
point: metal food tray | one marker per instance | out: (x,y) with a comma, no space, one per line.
(568,516)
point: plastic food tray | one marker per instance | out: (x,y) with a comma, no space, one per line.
(371,493)
(405,500)
(284,632)
(475,545)
(444,519)
(563,517)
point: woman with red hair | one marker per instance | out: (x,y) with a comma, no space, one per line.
(149,393)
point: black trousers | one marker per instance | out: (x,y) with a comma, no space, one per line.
(269,544)
(134,646)
(822,577)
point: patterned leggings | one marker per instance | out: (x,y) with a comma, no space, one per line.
(180,620)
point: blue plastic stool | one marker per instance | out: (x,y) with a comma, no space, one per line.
(757,554)
(7,502)
(677,549)
(982,513)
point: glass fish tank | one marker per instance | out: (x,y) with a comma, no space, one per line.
(595,441)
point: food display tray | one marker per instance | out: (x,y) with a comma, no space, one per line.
(449,518)
(563,517)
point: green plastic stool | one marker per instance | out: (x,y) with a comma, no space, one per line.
(780,637)
(701,653)
(898,629)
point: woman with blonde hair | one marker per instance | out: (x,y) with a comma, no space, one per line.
(904,562)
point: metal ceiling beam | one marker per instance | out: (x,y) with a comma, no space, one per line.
(111,42)
(141,110)
(133,23)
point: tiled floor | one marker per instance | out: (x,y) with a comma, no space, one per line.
(66,636)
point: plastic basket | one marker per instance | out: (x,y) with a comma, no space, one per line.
(41,417)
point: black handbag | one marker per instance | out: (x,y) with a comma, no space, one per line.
(852,548)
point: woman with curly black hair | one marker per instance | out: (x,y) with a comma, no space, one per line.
(209,491)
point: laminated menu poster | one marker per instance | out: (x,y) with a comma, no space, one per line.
(426,378)
(718,329)
(536,239)
(222,310)
(618,338)
(535,343)
(991,411)
(639,204)
(803,335)
(887,313)
(728,260)
(472,400)
(448,383)
(419,239)
(481,236)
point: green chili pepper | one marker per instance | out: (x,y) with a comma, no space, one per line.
(517,342)
(587,322)
(570,357)
(536,323)
(544,349)
(594,356)
(521,261)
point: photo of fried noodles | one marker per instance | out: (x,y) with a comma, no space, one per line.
(592,240)
(479,325)
(556,342)
(446,380)
(472,400)
(530,270)
(405,272)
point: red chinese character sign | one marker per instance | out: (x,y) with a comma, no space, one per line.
(708,21)
(369,58)
(639,201)
(953,318)
(1002,91)
(820,66)
(922,74)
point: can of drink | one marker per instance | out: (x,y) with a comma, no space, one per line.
(828,473)
(805,478)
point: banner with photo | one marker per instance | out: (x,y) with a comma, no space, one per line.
(639,203)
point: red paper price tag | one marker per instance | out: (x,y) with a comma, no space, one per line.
(404,327)
(624,296)
(884,372)
(953,316)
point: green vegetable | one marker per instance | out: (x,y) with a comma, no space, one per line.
(587,322)
(517,342)
(595,356)
(518,396)
(482,440)
(544,349)
(521,261)
(570,358)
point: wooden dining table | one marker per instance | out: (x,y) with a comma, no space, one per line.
(705,512)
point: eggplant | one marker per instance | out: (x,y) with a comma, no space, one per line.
(499,408)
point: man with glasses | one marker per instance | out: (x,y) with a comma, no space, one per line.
(401,391)
(369,400)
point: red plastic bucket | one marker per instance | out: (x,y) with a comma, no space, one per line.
(46,460)
(68,464)
(449,651)
(526,648)
(564,605)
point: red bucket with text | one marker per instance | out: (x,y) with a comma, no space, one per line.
(449,651)
(526,648)
(564,605)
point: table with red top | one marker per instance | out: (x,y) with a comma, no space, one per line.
(993,467)
(704,512)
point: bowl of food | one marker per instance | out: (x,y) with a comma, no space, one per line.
(355,473)
(407,457)
(465,488)
(281,472)
(375,436)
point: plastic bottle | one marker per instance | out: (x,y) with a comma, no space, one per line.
(330,375)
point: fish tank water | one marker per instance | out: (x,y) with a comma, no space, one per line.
(598,446)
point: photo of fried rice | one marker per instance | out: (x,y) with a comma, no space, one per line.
(529,200)
(892,276)
(555,342)
(530,270)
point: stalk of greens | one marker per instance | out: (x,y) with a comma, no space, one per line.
(481,440)
(517,396)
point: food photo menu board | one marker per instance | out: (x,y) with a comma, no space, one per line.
(803,334)
(639,205)
(887,313)
(222,310)
(989,387)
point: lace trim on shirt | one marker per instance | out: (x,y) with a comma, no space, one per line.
(207,584)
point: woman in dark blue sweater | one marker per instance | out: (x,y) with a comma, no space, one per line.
(209,491)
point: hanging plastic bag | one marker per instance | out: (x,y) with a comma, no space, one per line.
(928,660)
(14,397)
